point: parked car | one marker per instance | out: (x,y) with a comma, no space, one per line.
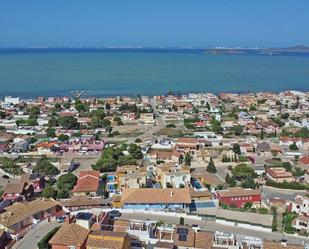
(114,214)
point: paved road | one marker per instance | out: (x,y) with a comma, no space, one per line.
(211,225)
(284,194)
(32,237)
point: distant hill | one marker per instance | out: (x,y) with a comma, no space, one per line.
(297,48)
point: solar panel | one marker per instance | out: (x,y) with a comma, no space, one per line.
(182,231)
(182,237)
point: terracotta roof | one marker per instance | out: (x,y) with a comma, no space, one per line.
(19,211)
(88,181)
(15,187)
(279,172)
(155,196)
(89,172)
(70,235)
(196,194)
(204,240)
(120,225)
(237,191)
(164,245)
(184,236)
(189,140)
(277,245)
(81,201)
(304,160)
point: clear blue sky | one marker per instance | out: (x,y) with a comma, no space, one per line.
(154,23)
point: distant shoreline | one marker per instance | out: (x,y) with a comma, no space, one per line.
(215,50)
(93,94)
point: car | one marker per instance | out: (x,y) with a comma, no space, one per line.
(5,177)
(61,219)
(114,214)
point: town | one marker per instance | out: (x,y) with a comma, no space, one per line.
(172,171)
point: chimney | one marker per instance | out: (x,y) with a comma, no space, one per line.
(68,218)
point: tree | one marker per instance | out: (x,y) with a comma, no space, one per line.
(211,168)
(66,181)
(135,151)
(107,106)
(238,130)
(249,183)
(63,193)
(99,122)
(118,120)
(236,149)
(63,137)
(248,205)
(50,132)
(188,159)
(49,192)
(67,105)
(293,146)
(242,171)
(68,122)
(181,221)
(216,126)
(80,107)
(45,168)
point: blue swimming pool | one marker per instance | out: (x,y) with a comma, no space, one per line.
(110,178)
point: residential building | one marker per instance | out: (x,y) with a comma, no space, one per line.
(70,235)
(18,191)
(156,199)
(279,174)
(88,183)
(239,196)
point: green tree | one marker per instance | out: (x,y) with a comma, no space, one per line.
(248,205)
(211,168)
(49,192)
(50,132)
(45,168)
(242,171)
(293,146)
(135,151)
(236,149)
(188,159)
(181,221)
(63,137)
(66,181)
(68,122)
(63,193)
(249,183)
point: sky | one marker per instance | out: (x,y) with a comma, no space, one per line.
(196,23)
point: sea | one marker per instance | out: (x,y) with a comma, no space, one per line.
(108,72)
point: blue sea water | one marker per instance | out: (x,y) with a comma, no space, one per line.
(106,72)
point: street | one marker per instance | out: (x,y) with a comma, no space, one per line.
(32,237)
(211,225)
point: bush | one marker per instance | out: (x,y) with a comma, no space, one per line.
(138,140)
(170,126)
(43,243)
(287,185)
(181,221)
(263,211)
